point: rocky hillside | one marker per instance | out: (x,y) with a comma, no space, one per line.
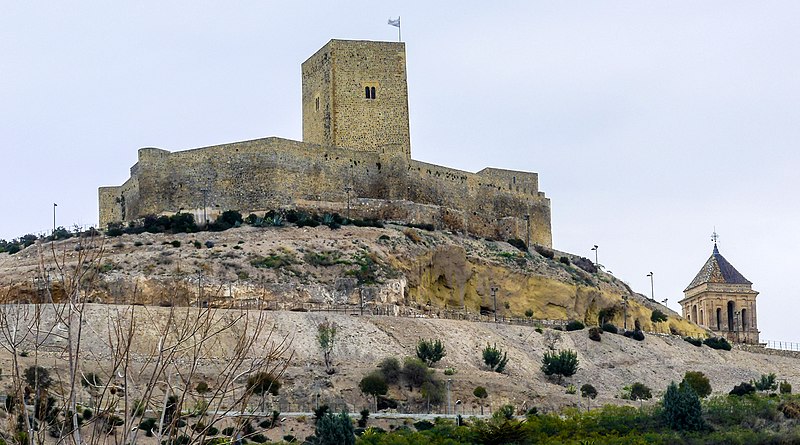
(394,269)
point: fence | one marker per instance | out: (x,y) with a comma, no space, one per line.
(393,310)
(782,345)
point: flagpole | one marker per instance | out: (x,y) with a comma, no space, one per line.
(399,36)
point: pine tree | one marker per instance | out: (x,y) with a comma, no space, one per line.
(682,409)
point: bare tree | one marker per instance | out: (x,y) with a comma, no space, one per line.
(139,362)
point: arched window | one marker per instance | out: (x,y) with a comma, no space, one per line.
(702,321)
(731,316)
(719,319)
(372,92)
(694,314)
(744,319)
(366,92)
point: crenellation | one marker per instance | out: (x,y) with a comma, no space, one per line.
(350,143)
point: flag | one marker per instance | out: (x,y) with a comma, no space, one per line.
(395,22)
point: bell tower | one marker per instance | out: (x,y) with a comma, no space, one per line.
(355,95)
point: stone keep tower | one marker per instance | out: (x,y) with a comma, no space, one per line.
(722,300)
(355,95)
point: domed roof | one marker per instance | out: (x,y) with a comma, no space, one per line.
(717,270)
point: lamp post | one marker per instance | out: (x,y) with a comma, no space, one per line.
(494,298)
(652,293)
(54,220)
(348,189)
(595,255)
(527,231)
(205,198)
(449,405)
(625,312)
(736,324)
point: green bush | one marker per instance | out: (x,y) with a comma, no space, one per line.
(391,369)
(176,243)
(564,260)
(766,383)
(263,382)
(495,358)
(519,244)
(480,392)
(575,325)
(657,316)
(586,264)
(640,391)
(682,410)
(610,327)
(561,364)
(695,341)
(594,333)
(698,382)
(529,313)
(335,430)
(785,387)
(430,351)
(717,343)
(635,334)
(373,384)
(743,389)
(544,251)
(415,372)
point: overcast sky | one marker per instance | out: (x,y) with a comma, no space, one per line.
(649,122)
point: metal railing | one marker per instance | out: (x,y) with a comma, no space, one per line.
(782,345)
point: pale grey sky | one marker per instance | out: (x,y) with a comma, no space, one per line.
(649,122)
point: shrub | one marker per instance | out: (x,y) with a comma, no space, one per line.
(373,384)
(176,243)
(681,409)
(657,316)
(561,364)
(263,382)
(636,334)
(575,325)
(743,389)
(519,244)
(423,425)
(588,391)
(586,264)
(698,382)
(609,327)
(495,358)
(594,333)
(529,313)
(790,409)
(766,382)
(273,261)
(449,371)
(335,430)
(362,421)
(390,368)
(182,223)
(640,391)
(480,392)
(564,260)
(544,251)
(505,412)
(259,438)
(695,341)
(430,351)
(717,343)
(415,372)
(785,387)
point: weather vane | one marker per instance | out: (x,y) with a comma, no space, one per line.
(714,236)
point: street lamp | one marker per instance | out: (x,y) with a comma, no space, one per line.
(449,405)
(527,230)
(625,312)
(595,255)
(348,189)
(652,294)
(54,220)
(205,198)
(494,298)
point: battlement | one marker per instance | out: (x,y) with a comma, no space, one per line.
(355,155)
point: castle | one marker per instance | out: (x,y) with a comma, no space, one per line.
(721,299)
(355,159)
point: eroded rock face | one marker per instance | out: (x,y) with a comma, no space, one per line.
(387,270)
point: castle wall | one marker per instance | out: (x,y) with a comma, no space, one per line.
(338,75)
(278,173)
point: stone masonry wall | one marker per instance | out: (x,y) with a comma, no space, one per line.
(276,173)
(338,75)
